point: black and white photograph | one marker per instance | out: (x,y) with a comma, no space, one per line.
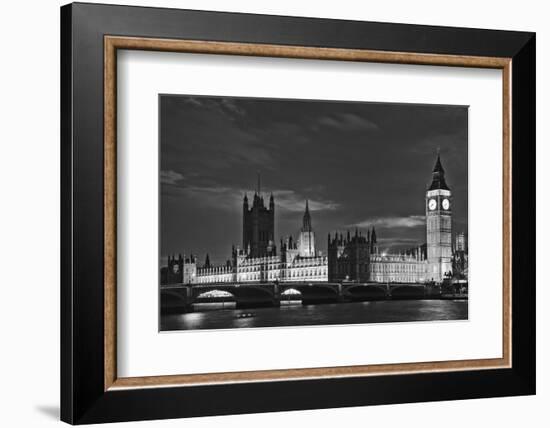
(281,212)
(249,214)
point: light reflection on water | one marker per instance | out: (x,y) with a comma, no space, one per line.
(294,314)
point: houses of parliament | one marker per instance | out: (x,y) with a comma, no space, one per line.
(353,256)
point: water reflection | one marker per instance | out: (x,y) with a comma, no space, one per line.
(292,313)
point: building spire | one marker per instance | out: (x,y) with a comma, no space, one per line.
(438,167)
(259,188)
(438,176)
(306,223)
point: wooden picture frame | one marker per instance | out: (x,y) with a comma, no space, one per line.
(91,390)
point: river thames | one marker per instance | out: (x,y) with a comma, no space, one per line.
(218,316)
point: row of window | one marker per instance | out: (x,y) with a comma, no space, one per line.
(260,261)
(314,261)
(395,278)
(341,268)
(395,259)
(213,271)
(394,267)
(209,279)
(256,276)
(291,274)
(310,262)
(256,268)
(208,272)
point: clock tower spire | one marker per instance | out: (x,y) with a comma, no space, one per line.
(438,225)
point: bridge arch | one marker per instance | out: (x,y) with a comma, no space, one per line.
(244,295)
(291,291)
(362,292)
(291,294)
(315,292)
(215,294)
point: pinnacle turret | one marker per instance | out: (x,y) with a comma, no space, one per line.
(306,222)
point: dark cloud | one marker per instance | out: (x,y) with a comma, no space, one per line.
(358,164)
(347,122)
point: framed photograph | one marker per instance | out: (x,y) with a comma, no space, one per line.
(272,213)
(349,249)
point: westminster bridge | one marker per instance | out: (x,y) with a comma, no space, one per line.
(181,297)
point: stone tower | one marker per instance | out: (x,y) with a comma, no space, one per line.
(349,256)
(438,225)
(258,225)
(306,240)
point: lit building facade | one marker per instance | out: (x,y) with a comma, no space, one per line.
(297,261)
(354,258)
(408,267)
(357,258)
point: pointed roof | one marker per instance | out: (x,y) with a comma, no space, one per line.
(438,167)
(306,222)
(438,176)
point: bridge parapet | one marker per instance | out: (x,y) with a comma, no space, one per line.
(271,293)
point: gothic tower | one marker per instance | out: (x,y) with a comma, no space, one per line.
(306,240)
(259,225)
(438,225)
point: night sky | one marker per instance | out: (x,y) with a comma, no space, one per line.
(358,164)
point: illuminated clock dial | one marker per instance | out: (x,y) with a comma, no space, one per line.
(445,204)
(432,204)
(176,268)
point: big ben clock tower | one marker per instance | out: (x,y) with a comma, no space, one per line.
(438,225)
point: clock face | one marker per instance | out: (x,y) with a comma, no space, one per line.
(432,204)
(445,204)
(176,268)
